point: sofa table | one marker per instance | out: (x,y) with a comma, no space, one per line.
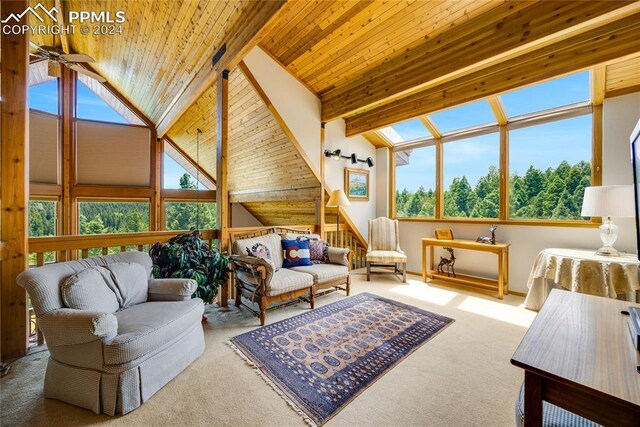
(581,270)
(578,355)
(501,285)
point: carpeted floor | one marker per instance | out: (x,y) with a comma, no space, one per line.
(462,378)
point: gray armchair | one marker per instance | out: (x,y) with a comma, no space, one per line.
(112,359)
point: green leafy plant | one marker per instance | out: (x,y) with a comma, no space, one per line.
(187,256)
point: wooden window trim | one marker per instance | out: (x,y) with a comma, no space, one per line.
(528,120)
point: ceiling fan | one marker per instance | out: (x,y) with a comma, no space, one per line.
(57,58)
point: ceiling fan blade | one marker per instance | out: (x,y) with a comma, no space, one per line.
(54,69)
(76,57)
(86,72)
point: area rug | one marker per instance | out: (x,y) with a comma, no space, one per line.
(321,360)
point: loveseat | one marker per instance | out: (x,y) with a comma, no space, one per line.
(264,279)
(115,334)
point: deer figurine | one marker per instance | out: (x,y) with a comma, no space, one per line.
(489,240)
(448,263)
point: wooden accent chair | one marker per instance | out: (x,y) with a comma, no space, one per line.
(384,247)
(272,286)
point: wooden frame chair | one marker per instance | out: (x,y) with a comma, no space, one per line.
(384,248)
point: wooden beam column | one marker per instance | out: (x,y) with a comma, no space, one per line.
(67,96)
(14,140)
(222,155)
(321,208)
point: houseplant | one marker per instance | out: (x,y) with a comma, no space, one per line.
(188,256)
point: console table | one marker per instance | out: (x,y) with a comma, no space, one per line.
(500,249)
(578,355)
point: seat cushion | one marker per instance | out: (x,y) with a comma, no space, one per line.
(386,256)
(262,244)
(286,280)
(323,273)
(145,328)
(90,289)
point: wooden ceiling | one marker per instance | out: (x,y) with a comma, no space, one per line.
(623,76)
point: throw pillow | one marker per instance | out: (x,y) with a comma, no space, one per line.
(296,253)
(88,290)
(261,251)
(319,250)
(132,281)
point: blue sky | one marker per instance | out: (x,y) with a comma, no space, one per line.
(541,146)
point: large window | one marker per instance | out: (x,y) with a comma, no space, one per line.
(471,180)
(543,135)
(42,218)
(44,96)
(113,217)
(187,215)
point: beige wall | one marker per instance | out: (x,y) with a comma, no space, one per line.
(241,217)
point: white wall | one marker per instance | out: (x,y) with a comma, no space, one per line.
(620,116)
(301,111)
(241,217)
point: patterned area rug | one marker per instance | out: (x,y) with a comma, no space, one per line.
(321,360)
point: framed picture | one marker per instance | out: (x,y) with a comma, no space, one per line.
(356,184)
(444,234)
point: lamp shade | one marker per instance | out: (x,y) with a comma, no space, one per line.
(338,199)
(608,201)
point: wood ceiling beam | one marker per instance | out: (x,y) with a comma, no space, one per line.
(509,29)
(60,16)
(604,43)
(377,140)
(431,127)
(298,194)
(254,23)
(598,84)
(498,110)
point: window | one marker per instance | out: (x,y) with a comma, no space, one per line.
(175,176)
(92,107)
(416,182)
(549,167)
(113,217)
(44,97)
(471,179)
(464,116)
(566,90)
(42,218)
(187,215)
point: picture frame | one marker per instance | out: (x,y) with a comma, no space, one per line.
(356,184)
(444,233)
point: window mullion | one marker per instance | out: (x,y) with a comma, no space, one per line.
(504,173)
(439,205)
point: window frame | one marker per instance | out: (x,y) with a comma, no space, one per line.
(504,124)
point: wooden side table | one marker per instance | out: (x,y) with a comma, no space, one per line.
(578,355)
(500,249)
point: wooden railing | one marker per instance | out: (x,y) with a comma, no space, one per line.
(63,248)
(344,237)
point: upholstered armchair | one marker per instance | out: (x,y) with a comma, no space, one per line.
(115,334)
(384,247)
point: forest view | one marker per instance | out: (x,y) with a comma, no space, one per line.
(555,193)
(123,217)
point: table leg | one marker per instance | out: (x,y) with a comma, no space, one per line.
(506,272)
(532,400)
(424,262)
(432,250)
(500,276)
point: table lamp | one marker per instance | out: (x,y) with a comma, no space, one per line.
(337,200)
(608,201)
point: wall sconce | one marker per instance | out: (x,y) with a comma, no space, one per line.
(337,155)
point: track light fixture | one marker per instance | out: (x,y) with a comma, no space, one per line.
(337,155)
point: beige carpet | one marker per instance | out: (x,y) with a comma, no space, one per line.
(460,378)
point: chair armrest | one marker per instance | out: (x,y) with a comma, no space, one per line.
(171,289)
(67,326)
(258,268)
(339,256)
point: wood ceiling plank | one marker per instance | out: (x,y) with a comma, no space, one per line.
(493,33)
(574,53)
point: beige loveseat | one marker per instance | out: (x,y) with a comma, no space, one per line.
(258,281)
(138,334)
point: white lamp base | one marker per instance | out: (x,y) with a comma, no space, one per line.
(608,235)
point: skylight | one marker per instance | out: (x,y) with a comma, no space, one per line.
(554,93)
(405,131)
(465,116)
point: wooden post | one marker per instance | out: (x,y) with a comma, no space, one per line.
(439,205)
(322,187)
(392,182)
(156,222)
(67,95)
(504,173)
(14,140)
(222,192)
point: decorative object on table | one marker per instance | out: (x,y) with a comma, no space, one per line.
(608,201)
(356,184)
(187,256)
(583,271)
(338,200)
(337,155)
(321,360)
(444,233)
(489,240)
(448,263)
(384,248)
